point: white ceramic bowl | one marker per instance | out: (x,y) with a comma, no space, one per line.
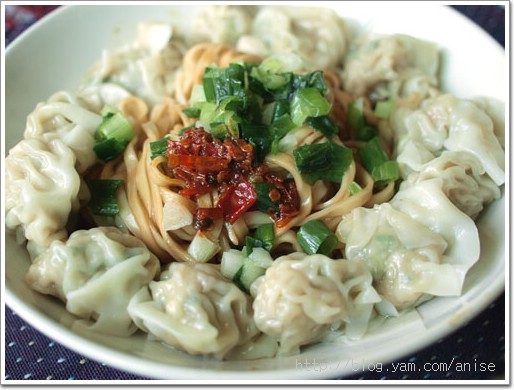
(54,54)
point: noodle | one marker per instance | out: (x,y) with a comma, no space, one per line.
(150,189)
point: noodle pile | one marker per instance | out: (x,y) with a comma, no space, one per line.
(149,191)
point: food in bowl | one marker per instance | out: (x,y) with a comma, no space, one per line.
(245,192)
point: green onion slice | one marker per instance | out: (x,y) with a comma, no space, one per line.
(103,196)
(377,163)
(316,238)
(159,148)
(308,102)
(327,161)
(112,136)
(220,83)
(323,124)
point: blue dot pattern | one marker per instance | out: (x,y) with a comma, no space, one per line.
(473,349)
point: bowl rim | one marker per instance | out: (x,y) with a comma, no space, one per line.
(127,362)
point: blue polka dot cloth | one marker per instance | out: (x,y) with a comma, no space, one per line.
(30,355)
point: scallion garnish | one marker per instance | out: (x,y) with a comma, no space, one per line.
(281,126)
(355,118)
(112,136)
(354,188)
(316,238)
(158,148)
(264,202)
(308,102)
(258,135)
(327,161)
(377,163)
(314,79)
(386,172)
(103,196)
(263,237)
(220,83)
(268,73)
(356,121)
(323,124)
(384,108)
(192,112)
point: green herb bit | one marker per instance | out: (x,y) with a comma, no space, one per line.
(355,118)
(314,79)
(220,83)
(354,188)
(384,108)
(308,102)
(258,135)
(281,126)
(377,163)
(159,148)
(263,237)
(327,161)
(103,196)
(264,202)
(316,238)
(192,112)
(112,136)
(323,124)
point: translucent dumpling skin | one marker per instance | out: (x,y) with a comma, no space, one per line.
(41,190)
(448,123)
(195,309)
(300,297)
(391,66)
(96,272)
(405,257)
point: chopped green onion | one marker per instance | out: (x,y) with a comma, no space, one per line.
(192,112)
(314,79)
(197,98)
(247,274)
(159,148)
(258,136)
(377,163)
(280,108)
(219,130)
(115,125)
(281,126)
(308,102)
(267,72)
(264,202)
(275,146)
(354,188)
(112,136)
(238,104)
(103,196)
(108,149)
(266,235)
(356,121)
(327,161)
(372,154)
(251,243)
(323,124)
(384,108)
(316,238)
(214,114)
(356,118)
(386,172)
(220,83)
(366,132)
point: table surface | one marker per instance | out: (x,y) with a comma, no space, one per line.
(30,355)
